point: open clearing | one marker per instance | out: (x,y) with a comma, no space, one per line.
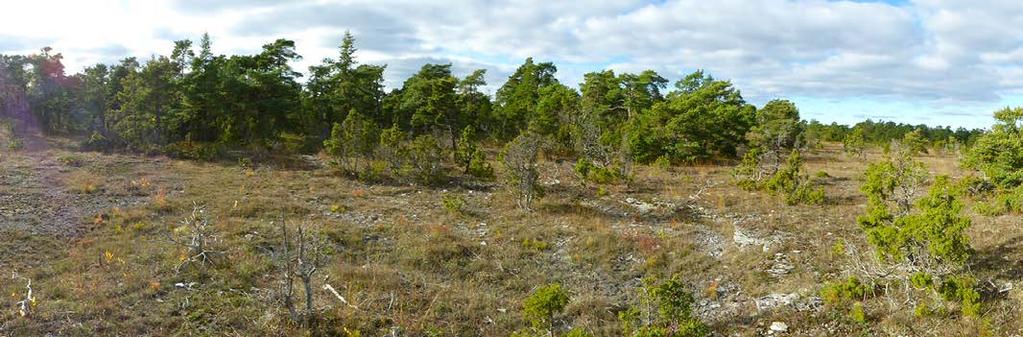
(93,234)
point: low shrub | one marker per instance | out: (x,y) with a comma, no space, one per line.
(544,304)
(454,204)
(587,171)
(195,150)
(842,293)
(1002,202)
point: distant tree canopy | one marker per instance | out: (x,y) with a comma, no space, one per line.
(883,132)
(192,97)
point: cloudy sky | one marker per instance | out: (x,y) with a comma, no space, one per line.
(938,62)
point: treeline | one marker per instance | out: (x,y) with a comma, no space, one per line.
(882,132)
(196,104)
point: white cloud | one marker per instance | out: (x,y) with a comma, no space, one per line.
(929,53)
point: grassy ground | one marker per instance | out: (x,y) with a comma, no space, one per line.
(95,235)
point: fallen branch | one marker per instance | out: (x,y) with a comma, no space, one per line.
(331,289)
(25,305)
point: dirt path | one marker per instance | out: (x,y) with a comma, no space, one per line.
(34,198)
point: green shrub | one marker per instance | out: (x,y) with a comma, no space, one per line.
(889,186)
(922,310)
(838,249)
(857,314)
(292,143)
(544,304)
(748,175)
(479,167)
(192,150)
(841,293)
(855,142)
(352,142)
(921,280)
(795,187)
(70,160)
(670,308)
(471,157)
(393,149)
(999,153)
(587,171)
(15,144)
(96,142)
(663,163)
(935,233)
(962,289)
(915,142)
(534,245)
(520,164)
(425,160)
(372,171)
(1002,202)
(454,204)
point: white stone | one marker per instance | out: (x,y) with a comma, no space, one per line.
(779,327)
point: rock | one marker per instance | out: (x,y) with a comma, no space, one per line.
(711,243)
(742,238)
(781,266)
(641,206)
(779,327)
(813,303)
(776,300)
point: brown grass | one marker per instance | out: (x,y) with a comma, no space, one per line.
(401,260)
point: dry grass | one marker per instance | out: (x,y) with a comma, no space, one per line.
(404,263)
(85,182)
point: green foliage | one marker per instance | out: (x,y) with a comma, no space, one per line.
(534,245)
(778,129)
(544,304)
(336,87)
(518,98)
(747,174)
(663,163)
(471,157)
(352,141)
(889,187)
(921,280)
(670,313)
(479,167)
(842,293)
(938,225)
(453,203)
(855,142)
(1002,202)
(425,160)
(915,142)
(962,289)
(857,314)
(70,160)
(96,142)
(393,149)
(587,171)
(188,149)
(922,310)
(927,237)
(520,164)
(932,235)
(15,144)
(838,249)
(999,153)
(703,119)
(793,185)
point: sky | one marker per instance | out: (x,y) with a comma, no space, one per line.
(935,62)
